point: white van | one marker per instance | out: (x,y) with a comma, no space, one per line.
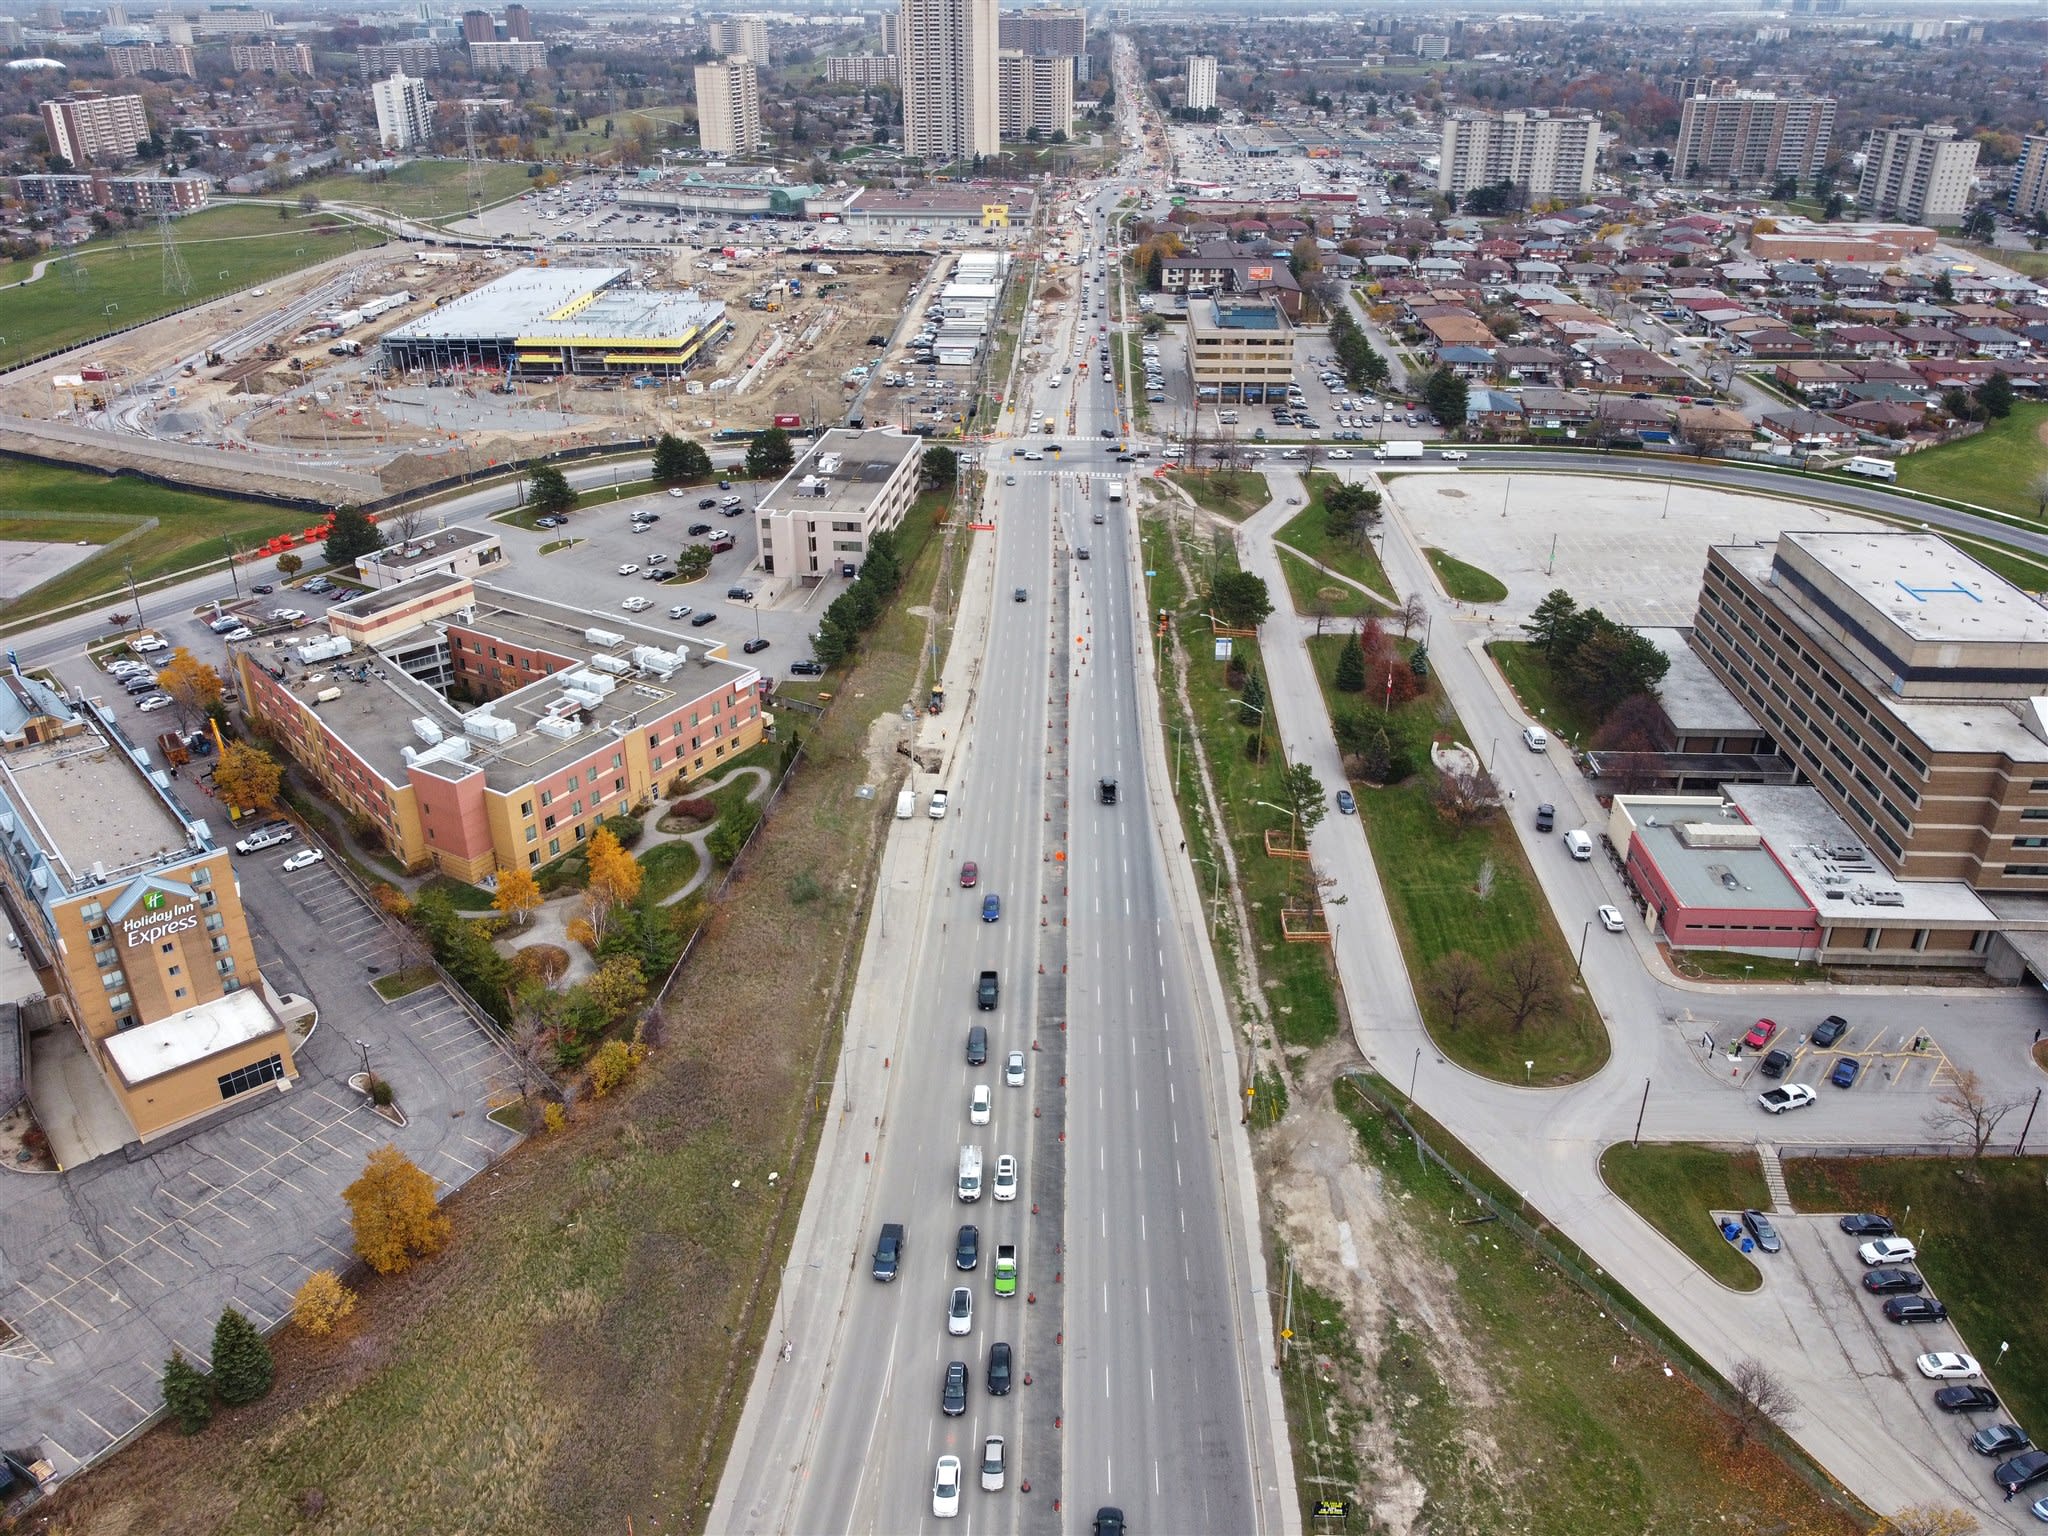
(1579,845)
(970,1173)
(906,804)
(1535,738)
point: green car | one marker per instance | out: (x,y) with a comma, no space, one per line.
(1006,1269)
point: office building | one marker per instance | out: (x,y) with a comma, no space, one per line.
(414,56)
(1240,350)
(849,487)
(128,59)
(729,107)
(1548,155)
(478,27)
(2029,196)
(508,58)
(862,69)
(741,36)
(948,55)
(1751,136)
(1201,90)
(272,58)
(518,24)
(90,128)
(405,112)
(1432,45)
(1036,95)
(1920,174)
(129,912)
(1046,32)
(580,718)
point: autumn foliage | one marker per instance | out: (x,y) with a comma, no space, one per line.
(394,1213)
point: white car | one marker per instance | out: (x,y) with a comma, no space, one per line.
(1453,454)
(938,805)
(677,491)
(979,1103)
(960,1311)
(1006,1177)
(239,632)
(637,604)
(1946,1364)
(992,1464)
(145,644)
(153,701)
(946,1488)
(1340,453)
(287,615)
(1013,1069)
(629,569)
(1611,919)
(1788,1096)
(1886,1250)
(305,858)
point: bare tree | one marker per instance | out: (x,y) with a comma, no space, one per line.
(1457,986)
(1413,610)
(1760,1395)
(1928,1520)
(1527,986)
(532,1040)
(2040,493)
(404,523)
(1311,456)
(1465,796)
(1967,1114)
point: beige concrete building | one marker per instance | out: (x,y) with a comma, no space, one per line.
(1036,92)
(1549,155)
(141,58)
(741,36)
(1752,136)
(947,49)
(92,129)
(1201,87)
(272,58)
(729,107)
(508,57)
(1921,174)
(862,69)
(131,915)
(849,487)
(1240,349)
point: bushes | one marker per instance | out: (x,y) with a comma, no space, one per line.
(695,809)
(187,1394)
(627,829)
(323,1301)
(242,1368)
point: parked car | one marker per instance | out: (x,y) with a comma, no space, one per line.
(1791,1096)
(1346,805)
(1884,1281)
(1760,1034)
(1844,1075)
(1948,1365)
(305,858)
(1971,1399)
(1886,1250)
(1830,1029)
(2023,1471)
(1774,1064)
(1915,1309)
(1761,1229)
(755,646)
(806,669)
(1863,1224)
(1999,1439)
(154,701)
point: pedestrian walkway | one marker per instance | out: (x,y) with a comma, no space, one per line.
(1774,1178)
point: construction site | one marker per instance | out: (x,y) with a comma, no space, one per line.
(291,388)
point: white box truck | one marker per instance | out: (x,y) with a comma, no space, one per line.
(1398,451)
(1872,469)
(970,1173)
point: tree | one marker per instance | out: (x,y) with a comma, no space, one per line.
(677,460)
(1994,396)
(322,1303)
(1928,1520)
(614,1063)
(518,894)
(1944,289)
(1239,600)
(1448,397)
(289,565)
(1831,210)
(1527,986)
(1456,985)
(1760,1394)
(187,1394)
(1349,509)
(1302,793)
(548,491)
(351,536)
(247,778)
(1967,1114)
(1464,796)
(1414,610)
(1981,224)
(770,454)
(940,469)
(614,879)
(1253,700)
(1614,663)
(1350,673)
(616,989)
(393,1213)
(191,682)
(242,1368)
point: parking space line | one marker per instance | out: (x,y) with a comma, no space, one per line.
(131,1401)
(52,1301)
(122,1258)
(159,1242)
(96,1424)
(458,1162)
(86,1278)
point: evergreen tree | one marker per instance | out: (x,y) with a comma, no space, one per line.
(770,454)
(351,536)
(187,1394)
(241,1359)
(1350,676)
(1994,396)
(548,490)
(677,460)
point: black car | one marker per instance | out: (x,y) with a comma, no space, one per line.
(2023,1471)
(1915,1309)
(1971,1399)
(707,503)
(1774,1064)
(646,517)
(697,528)
(1999,1440)
(739,594)
(1109,1521)
(1830,1029)
(1761,1229)
(953,1395)
(1885,1281)
(725,485)
(889,1250)
(755,646)
(967,1247)
(806,669)
(977,1045)
(263,589)
(1108,432)
(1866,1225)
(1123,458)
(998,1370)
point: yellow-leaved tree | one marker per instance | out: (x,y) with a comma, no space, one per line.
(393,1213)
(518,894)
(322,1302)
(614,880)
(190,681)
(246,778)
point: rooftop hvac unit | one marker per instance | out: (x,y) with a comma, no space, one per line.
(325,649)
(560,729)
(653,659)
(828,463)
(612,664)
(485,726)
(604,637)
(1887,898)
(1844,851)
(426,730)
(1711,834)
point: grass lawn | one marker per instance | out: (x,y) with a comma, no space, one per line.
(462,896)
(1674,1187)
(666,868)
(420,189)
(2027,572)
(1536,686)
(1436,903)
(1228,493)
(403,983)
(1129,346)
(44,503)
(1466,583)
(1983,1248)
(1008,328)
(2030,263)
(119,281)
(1305,532)
(1996,468)
(1315,593)
(605,1275)
(1607,1442)
(1296,979)
(1727,965)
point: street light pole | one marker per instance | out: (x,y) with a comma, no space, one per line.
(1584,934)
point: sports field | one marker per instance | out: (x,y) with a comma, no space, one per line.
(431,190)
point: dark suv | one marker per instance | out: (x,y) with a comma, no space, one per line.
(1915,1309)
(889,1250)
(998,1370)
(977,1045)
(953,1394)
(967,1247)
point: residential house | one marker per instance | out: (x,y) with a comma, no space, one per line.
(1814,381)
(1929,340)
(1712,426)
(1992,341)
(1566,407)
(1532,365)
(1883,418)
(1492,410)
(1632,367)
(1863,340)
(1454,328)
(1467,362)
(1808,427)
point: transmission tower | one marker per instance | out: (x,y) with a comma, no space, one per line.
(476,167)
(177,276)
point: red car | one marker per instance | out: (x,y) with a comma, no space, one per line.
(1760,1034)
(969,873)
